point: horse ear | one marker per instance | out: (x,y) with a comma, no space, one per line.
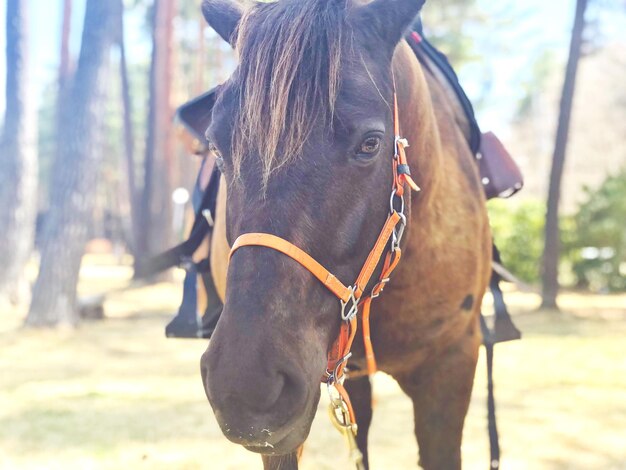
(388,18)
(223,16)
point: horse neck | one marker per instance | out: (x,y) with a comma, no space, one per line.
(418,122)
(441,162)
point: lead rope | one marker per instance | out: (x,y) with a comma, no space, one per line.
(494,441)
(494,444)
(340,409)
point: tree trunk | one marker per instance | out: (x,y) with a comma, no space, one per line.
(18,160)
(64,77)
(551,250)
(156,218)
(129,137)
(65,61)
(74,174)
(199,87)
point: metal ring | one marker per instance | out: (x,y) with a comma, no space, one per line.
(392,208)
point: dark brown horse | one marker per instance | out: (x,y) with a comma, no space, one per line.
(304,133)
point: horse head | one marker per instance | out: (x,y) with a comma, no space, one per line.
(304,134)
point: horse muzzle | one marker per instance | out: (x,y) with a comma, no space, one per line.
(265,405)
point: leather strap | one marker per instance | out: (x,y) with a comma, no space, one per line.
(375,255)
(337,356)
(341,347)
(279,244)
(400,155)
(320,272)
(199,231)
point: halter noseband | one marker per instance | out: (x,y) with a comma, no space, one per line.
(351,297)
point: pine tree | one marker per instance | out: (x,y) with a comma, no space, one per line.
(74,174)
(550,282)
(18,159)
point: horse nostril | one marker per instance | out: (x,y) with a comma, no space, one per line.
(292,394)
(248,395)
(264,395)
(261,413)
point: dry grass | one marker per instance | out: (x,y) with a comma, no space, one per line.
(117,394)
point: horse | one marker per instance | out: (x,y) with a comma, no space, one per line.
(303,131)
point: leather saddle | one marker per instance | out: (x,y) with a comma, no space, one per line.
(499,174)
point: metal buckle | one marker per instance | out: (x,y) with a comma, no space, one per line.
(354,307)
(399,140)
(349,431)
(340,417)
(378,288)
(332,377)
(398,232)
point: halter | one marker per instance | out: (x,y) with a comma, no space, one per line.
(351,298)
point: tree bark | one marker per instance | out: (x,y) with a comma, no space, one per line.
(200,62)
(129,137)
(18,159)
(550,282)
(74,174)
(155,206)
(65,61)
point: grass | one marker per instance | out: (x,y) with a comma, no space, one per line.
(118,394)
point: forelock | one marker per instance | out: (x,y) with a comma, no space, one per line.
(288,75)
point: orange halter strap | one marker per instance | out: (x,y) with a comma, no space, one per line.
(351,297)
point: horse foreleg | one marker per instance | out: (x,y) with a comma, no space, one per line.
(360,391)
(282,462)
(441,390)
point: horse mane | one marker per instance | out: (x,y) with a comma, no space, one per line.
(289,60)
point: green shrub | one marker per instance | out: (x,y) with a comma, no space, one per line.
(598,251)
(518,232)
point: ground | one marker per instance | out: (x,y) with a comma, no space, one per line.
(118,394)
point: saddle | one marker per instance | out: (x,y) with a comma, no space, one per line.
(499,174)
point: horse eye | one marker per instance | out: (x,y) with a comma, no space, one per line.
(370,146)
